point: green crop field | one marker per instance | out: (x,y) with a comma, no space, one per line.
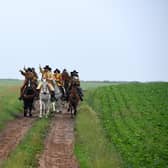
(94,84)
(135,120)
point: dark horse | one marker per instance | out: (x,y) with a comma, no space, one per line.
(73,100)
(29,93)
(66,82)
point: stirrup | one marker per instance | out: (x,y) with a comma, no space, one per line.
(81,98)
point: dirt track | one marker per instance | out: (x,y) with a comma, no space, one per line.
(59,144)
(13,133)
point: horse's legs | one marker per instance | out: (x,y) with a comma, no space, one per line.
(33,105)
(25,109)
(30,110)
(68,107)
(29,107)
(47,105)
(59,105)
(75,110)
(41,108)
(53,106)
(71,110)
(25,112)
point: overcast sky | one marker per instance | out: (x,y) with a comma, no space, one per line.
(102,39)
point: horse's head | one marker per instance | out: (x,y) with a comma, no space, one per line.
(44,92)
(29,90)
(73,89)
(44,87)
(74,93)
(29,84)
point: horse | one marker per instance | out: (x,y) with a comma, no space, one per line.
(66,78)
(45,99)
(73,100)
(28,95)
(58,96)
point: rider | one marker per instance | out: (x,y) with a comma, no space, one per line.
(65,79)
(76,82)
(28,74)
(58,78)
(35,76)
(48,76)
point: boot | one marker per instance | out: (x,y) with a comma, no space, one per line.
(80,93)
(37,94)
(20,97)
(81,98)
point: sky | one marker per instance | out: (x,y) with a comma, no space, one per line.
(116,40)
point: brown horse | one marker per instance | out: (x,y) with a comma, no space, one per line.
(29,93)
(73,100)
(66,81)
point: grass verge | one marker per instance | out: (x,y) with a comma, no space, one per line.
(10,106)
(91,147)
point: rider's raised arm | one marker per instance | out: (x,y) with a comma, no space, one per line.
(25,69)
(23,73)
(41,70)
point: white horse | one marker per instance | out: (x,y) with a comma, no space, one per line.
(45,100)
(57,105)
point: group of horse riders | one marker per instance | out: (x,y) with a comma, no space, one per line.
(63,80)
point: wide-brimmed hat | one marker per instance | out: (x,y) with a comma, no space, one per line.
(74,72)
(29,69)
(48,67)
(57,70)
